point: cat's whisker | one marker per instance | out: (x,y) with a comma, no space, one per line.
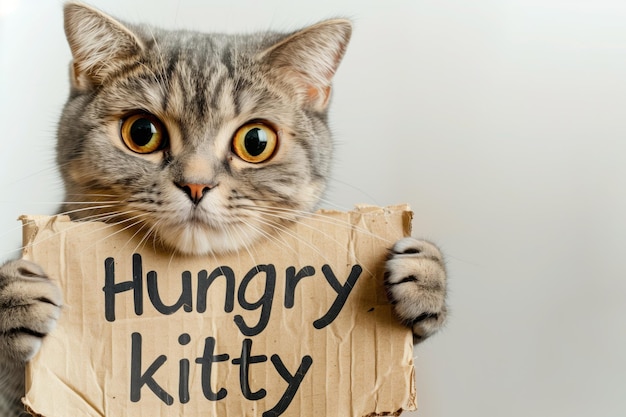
(318,251)
(360,190)
(131,238)
(294,215)
(150,233)
(320,217)
(12,253)
(69,202)
(88,202)
(334,205)
(107,215)
(95,205)
(288,231)
(49,169)
(271,237)
(90,193)
(78,224)
(155,236)
(146,237)
(243,242)
(172,256)
(132,222)
(79,210)
(280,228)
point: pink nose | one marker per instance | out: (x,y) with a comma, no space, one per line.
(195,192)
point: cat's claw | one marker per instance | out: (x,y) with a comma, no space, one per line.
(30,304)
(415,279)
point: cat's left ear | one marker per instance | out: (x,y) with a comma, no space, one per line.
(100,44)
(308,59)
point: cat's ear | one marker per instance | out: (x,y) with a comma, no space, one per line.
(309,59)
(99,44)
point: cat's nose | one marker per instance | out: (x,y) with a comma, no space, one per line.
(195,192)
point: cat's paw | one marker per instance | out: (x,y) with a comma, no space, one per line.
(30,304)
(415,279)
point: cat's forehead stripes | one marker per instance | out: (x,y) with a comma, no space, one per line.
(198,92)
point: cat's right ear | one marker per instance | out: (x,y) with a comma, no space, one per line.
(308,59)
(100,44)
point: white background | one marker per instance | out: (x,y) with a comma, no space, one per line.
(501,122)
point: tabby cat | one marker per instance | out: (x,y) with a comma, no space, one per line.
(204,143)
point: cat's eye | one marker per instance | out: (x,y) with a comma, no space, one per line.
(255,142)
(143,133)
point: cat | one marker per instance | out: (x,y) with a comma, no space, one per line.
(203,143)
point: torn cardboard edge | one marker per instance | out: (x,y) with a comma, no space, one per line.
(295,326)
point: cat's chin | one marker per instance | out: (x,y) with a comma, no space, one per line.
(203,240)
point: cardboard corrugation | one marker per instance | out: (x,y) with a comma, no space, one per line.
(361,360)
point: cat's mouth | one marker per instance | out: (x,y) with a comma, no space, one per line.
(201,232)
(197,219)
(207,218)
(200,238)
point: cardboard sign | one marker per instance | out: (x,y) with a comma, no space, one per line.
(297,325)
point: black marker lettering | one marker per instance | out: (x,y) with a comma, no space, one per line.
(265,302)
(138,380)
(291,281)
(343,291)
(206,360)
(183,301)
(244,371)
(111,288)
(183,373)
(293,383)
(205,282)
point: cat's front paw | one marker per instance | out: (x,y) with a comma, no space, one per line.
(415,279)
(30,304)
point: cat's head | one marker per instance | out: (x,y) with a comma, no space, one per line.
(206,142)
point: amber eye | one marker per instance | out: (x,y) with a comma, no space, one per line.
(255,142)
(143,133)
